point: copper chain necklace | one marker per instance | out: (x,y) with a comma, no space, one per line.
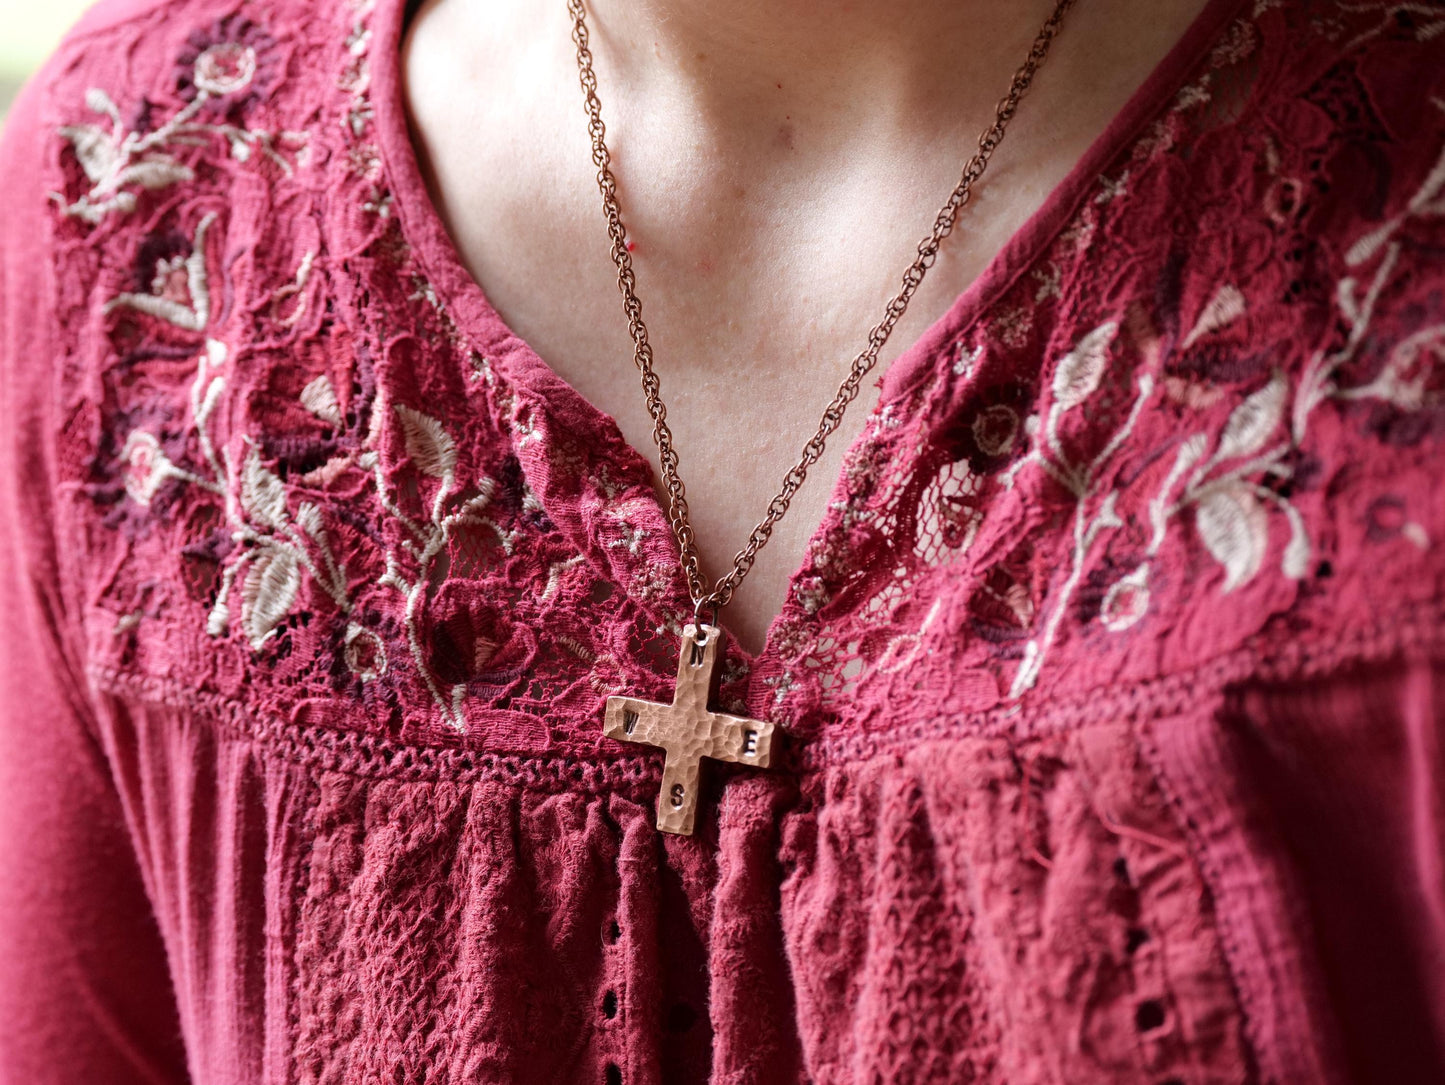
(687,729)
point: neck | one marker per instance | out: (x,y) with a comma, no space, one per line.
(739,63)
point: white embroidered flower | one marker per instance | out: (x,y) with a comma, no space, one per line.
(966,360)
(1127,601)
(170,279)
(146,466)
(1408,374)
(995,429)
(1012,326)
(365,654)
(225,68)
(812,594)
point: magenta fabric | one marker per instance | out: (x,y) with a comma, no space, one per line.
(1111,682)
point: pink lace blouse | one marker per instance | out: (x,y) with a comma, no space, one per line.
(1110,683)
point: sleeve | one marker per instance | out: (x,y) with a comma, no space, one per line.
(85,993)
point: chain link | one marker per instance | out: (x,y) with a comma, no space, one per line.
(722,591)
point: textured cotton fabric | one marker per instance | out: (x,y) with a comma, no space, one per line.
(1111,681)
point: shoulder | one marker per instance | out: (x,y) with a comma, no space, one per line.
(148,48)
(214,205)
(162,126)
(144,91)
(187,155)
(245,336)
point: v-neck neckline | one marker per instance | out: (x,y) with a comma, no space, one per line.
(479,323)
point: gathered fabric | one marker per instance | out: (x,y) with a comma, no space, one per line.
(1110,688)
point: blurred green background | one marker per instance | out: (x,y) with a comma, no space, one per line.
(29,30)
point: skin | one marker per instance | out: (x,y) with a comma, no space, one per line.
(777,162)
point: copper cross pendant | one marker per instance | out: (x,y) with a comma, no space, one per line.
(688,730)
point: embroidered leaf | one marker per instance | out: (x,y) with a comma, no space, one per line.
(1252,422)
(94,150)
(263,495)
(308,518)
(1235,528)
(1082,368)
(98,101)
(271,585)
(154,173)
(331,470)
(1297,554)
(1106,519)
(219,618)
(1189,454)
(427,444)
(1347,298)
(319,398)
(1406,379)
(167,309)
(1028,672)
(197,279)
(1366,247)
(83,209)
(1223,309)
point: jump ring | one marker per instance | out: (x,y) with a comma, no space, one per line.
(697,609)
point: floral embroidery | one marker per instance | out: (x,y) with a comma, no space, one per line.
(147,467)
(1026,505)
(1229,498)
(329,504)
(179,293)
(1237,461)
(1077,377)
(229,65)
(122,159)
